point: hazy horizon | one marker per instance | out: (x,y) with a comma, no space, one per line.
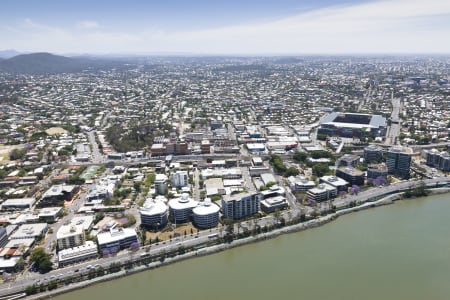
(252,28)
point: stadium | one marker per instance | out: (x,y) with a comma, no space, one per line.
(353,125)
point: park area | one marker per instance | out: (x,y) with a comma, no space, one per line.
(168,233)
(55,131)
(90,172)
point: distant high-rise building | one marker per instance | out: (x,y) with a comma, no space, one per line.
(398,161)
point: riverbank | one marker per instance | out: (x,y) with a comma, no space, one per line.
(225,246)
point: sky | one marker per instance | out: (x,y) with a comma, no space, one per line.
(227,27)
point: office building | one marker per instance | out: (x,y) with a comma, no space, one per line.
(348,160)
(30,231)
(154,213)
(57,194)
(377,170)
(3,237)
(271,204)
(373,154)
(180,179)
(181,208)
(238,206)
(160,184)
(69,236)
(206,214)
(398,161)
(337,182)
(117,239)
(437,159)
(351,175)
(77,254)
(322,192)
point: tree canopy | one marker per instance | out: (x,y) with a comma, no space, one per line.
(41,259)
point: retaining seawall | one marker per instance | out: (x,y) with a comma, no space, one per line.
(221,247)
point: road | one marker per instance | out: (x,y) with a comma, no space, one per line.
(196,184)
(97,157)
(394,129)
(202,237)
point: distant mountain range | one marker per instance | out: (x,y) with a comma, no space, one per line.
(8,53)
(46,63)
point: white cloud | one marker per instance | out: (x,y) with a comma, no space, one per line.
(87,25)
(374,27)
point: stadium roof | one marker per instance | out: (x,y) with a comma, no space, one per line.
(352,120)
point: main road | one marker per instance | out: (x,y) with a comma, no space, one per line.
(202,237)
(394,128)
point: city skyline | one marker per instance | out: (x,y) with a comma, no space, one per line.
(232,28)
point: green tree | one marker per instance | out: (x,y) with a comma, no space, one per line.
(291,171)
(17,154)
(277,164)
(320,169)
(300,156)
(30,290)
(52,285)
(41,259)
(137,186)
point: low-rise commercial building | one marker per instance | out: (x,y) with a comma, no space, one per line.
(351,175)
(3,237)
(117,239)
(271,204)
(57,194)
(33,231)
(18,203)
(337,182)
(377,170)
(322,192)
(50,214)
(77,254)
(348,160)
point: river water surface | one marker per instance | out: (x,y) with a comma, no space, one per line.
(400,251)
